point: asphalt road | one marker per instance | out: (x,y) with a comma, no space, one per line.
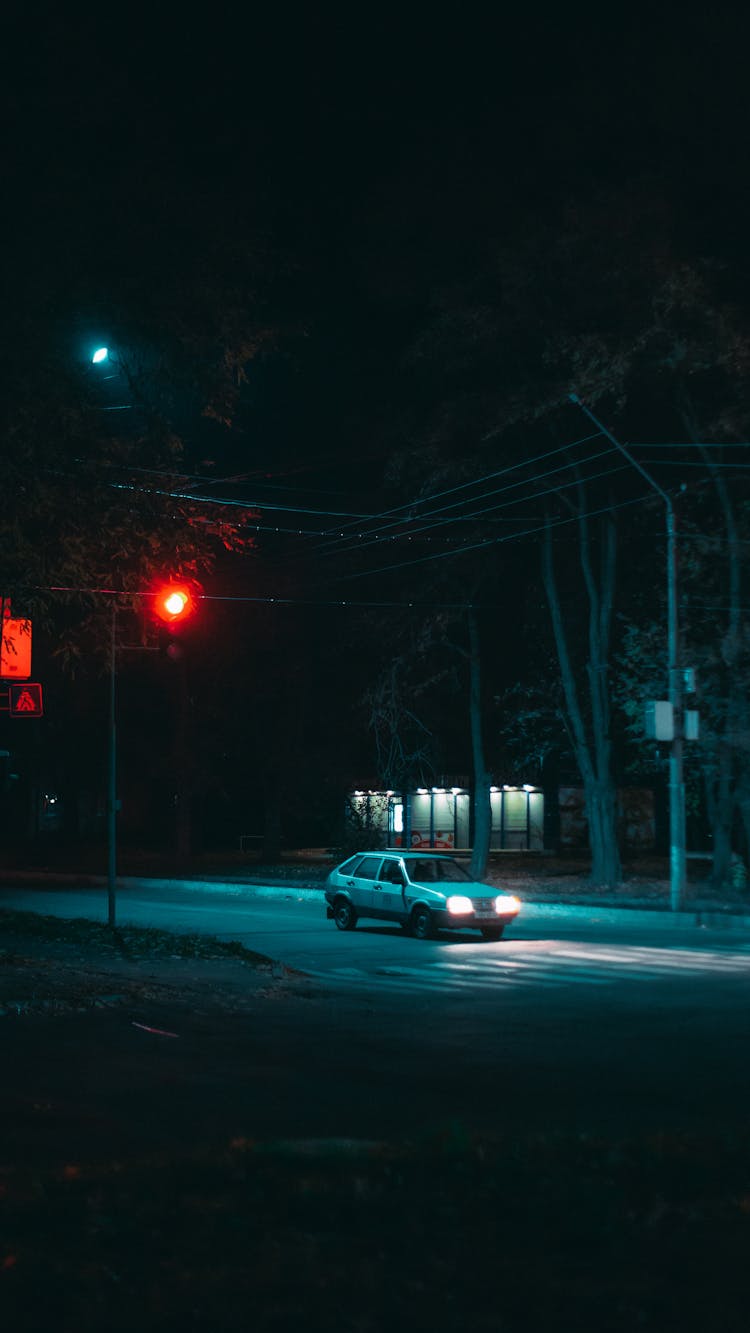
(590,1024)
(549,946)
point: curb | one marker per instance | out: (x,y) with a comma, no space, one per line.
(696,916)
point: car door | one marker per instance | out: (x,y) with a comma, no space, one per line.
(392,888)
(362,886)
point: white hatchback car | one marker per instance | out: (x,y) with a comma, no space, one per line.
(422,891)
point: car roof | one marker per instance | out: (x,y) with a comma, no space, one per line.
(410,856)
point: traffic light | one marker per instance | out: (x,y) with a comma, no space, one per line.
(175,602)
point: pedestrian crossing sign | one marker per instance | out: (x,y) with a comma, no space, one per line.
(25,699)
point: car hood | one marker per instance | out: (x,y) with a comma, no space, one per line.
(468,889)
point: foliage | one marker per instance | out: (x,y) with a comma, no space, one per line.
(95,512)
(718,654)
(531,720)
(363,828)
(406,751)
(598,297)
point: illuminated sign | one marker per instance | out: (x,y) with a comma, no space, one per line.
(15,652)
(25,700)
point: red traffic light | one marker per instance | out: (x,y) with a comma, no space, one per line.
(174,602)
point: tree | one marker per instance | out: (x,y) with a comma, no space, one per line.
(600,298)
(718,762)
(94,517)
(482,778)
(591,744)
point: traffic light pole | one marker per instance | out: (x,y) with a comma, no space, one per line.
(175,601)
(677,852)
(112,779)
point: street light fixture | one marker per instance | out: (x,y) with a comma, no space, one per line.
(101,354)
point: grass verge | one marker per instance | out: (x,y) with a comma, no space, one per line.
(131,942)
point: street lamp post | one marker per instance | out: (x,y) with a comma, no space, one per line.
(677,853)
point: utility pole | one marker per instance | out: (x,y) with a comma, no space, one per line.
(677,856)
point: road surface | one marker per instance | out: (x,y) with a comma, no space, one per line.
(548,947)
(567,1024)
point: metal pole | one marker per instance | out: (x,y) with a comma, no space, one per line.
(677,855)
(677,850)
(112,783)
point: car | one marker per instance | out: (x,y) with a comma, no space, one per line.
(423,891)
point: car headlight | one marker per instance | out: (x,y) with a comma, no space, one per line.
(506,904)
(458,905)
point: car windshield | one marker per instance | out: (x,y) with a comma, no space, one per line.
(436,869)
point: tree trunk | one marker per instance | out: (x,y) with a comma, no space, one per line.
(593,756)
(601,807)
(722,796)
(482,803)
(743,806)
(721,810)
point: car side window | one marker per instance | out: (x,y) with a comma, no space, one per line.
(391,873)
(368,867)
(349,866)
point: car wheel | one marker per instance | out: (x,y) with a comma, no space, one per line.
(344,914)
(492,932)
(421,923)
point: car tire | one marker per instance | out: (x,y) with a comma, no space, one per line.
(492,932)
(344,914)
(421,923)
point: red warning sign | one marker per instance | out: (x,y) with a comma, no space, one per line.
(25,700)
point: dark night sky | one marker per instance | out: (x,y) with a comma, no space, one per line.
(318,129)
(365,162)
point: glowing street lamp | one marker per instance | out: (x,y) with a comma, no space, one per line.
(101,354)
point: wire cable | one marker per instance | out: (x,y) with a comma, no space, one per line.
(553,490)
(275,601)
(477,481)
(496,541)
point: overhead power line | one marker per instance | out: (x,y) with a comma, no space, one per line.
(463,486)
(661,462)
(270,601)
(494,541)
(228,501)
(537,495)
(689,444)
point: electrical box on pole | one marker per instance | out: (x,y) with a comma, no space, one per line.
(659,720)
(691,721)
